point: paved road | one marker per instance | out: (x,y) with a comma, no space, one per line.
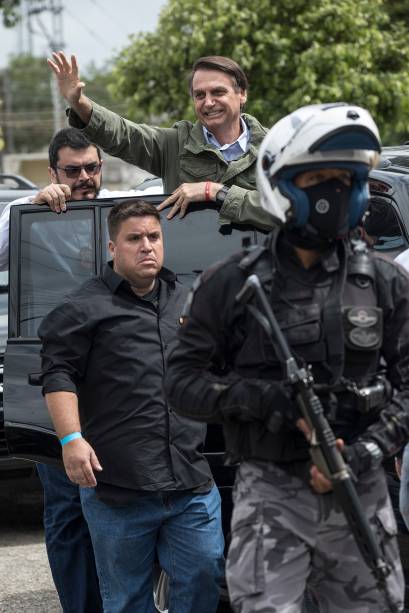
(25,580)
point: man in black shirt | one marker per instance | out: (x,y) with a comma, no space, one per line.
(145,485)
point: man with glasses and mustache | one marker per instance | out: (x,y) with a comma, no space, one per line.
(75,171)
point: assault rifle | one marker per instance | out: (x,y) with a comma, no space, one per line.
(323,448)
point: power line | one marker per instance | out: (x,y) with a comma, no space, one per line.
(91,32)
(109,15)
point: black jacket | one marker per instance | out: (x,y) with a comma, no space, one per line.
(223,366)
(110,347)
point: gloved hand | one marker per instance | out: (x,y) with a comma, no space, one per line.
(261,400)
(280,409)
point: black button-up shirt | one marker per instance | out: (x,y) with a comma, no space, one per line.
(110,346)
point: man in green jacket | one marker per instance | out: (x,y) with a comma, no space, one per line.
(213,159)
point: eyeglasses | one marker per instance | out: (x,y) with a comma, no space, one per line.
(73,172)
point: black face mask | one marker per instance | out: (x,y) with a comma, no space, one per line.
(329,209)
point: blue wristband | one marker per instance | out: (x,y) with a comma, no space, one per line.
(70,437)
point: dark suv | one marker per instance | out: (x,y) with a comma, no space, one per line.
(388,219)
(51,254)
(12,187)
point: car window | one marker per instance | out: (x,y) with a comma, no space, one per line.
(57,255)
(383,227)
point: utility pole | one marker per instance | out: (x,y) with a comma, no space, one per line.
(56,44)
(55,40)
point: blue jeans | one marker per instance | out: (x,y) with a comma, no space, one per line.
(185,532)
(68,542)
(404,487)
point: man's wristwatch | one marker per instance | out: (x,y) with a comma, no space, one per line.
(221,195)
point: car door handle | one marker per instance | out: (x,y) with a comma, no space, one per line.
(34,378)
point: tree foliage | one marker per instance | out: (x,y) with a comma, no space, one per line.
(398,10)
(9,10)
(294,52)
(98,83)
(28,115)
(25,85)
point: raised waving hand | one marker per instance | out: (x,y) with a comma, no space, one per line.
(70,85)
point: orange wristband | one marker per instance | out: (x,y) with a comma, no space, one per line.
(207,190)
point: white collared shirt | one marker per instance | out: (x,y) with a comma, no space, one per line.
(230,151)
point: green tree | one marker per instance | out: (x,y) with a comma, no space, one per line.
(398,10)
(25,84)
(28,114)
(100,87)
(10,13)
(10,16)
(294,53)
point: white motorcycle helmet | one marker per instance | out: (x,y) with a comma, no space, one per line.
(318,136)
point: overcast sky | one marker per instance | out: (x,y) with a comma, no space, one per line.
(92,29)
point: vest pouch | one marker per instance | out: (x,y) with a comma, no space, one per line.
(251,440)
(363,327)
(250,361)
(303,330)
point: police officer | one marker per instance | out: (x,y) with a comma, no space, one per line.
(341,310)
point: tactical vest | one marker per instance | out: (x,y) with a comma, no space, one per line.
(336,329)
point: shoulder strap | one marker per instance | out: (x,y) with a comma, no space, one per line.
(333,325)
(257,260)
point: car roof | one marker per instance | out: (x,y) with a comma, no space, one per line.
(14,186)
(8,195)
(395,159)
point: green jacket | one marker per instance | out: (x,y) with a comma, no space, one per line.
(180,155)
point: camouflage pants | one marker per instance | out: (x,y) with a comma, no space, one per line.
(284,537)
